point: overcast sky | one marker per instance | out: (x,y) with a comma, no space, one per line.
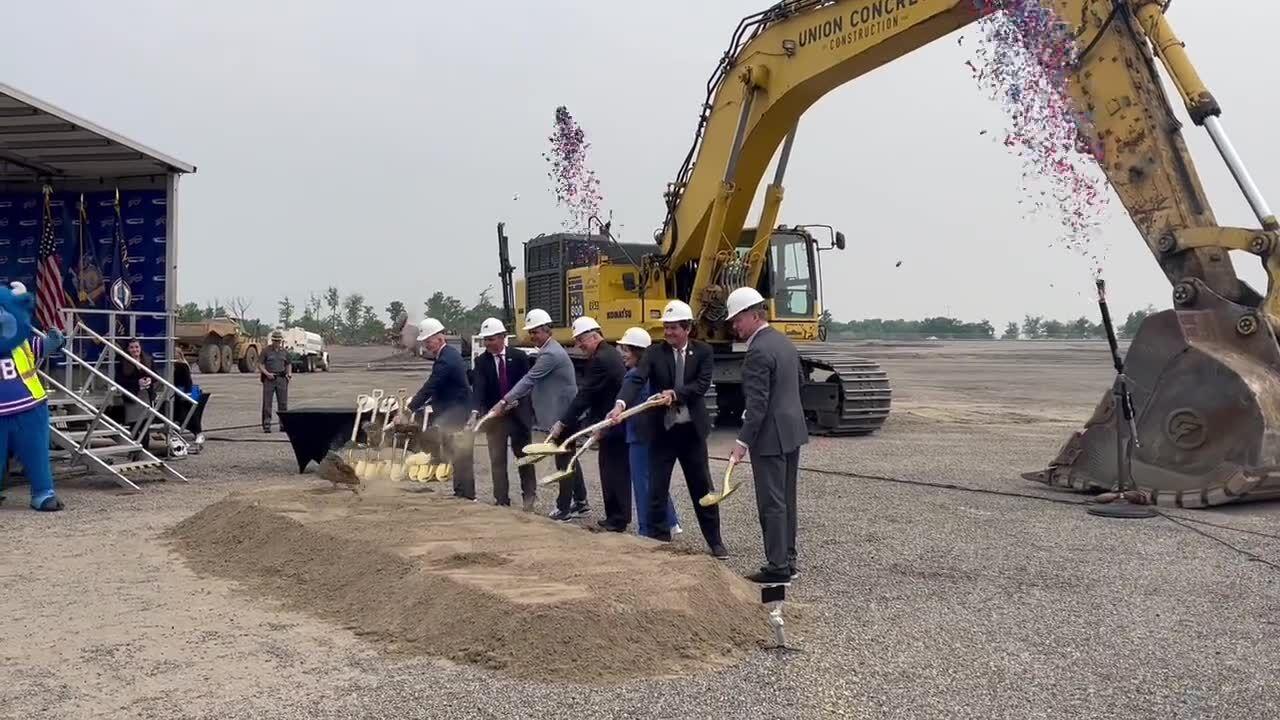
(374,145)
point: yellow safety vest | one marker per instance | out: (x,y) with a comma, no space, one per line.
(24,361)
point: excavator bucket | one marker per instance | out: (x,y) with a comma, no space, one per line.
(1205,382)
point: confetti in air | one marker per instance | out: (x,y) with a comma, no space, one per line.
(1023,59)
(573,183)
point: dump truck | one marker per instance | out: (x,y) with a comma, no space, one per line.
(219,344)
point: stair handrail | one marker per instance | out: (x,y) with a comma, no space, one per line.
(115,350)
(80,326)
(82,403)
(112,383)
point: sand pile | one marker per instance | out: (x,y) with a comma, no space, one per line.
(472,583)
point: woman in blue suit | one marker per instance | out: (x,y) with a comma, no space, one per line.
(633,343)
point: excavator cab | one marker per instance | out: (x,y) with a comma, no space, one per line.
(792,277)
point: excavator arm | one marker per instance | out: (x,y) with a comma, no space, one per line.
(1205,376)
(786,58)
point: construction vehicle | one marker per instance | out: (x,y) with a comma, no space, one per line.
(219,344)
(1205,374)
(570,275)
(306,350)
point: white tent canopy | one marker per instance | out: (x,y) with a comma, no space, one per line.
(43,143)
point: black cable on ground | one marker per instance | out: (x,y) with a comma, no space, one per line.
(1183,522)
(924,483)
(1253,557)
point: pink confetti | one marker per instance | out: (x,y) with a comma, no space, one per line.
(573,183)
(1023,59)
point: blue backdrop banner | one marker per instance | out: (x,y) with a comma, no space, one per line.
(105,249)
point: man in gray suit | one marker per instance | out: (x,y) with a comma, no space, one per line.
(553,384)
(773,429)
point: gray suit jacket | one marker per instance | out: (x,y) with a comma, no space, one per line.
(551,381)
(773,423)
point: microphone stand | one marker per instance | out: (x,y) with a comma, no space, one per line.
(1118,504)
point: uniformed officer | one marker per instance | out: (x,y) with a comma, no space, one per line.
(275,369)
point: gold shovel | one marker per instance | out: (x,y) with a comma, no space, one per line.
(537,452)
(487,417)
(388,452)
(568,469)
(348,452)
(362,464)
(715,498)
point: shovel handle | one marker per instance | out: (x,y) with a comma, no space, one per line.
(355,427)
(480,423)
(653,402)
(557,475)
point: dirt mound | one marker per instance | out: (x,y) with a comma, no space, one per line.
(477,584)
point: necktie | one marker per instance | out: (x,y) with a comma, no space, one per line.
(677,415)
(502,374)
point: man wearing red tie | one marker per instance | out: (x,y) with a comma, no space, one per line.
(497,370)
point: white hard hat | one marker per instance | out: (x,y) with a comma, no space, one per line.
(17,288)
(429,326)
(636,337)
(741,299)
(537,317)
(584,324)
(491,327)
(676,311)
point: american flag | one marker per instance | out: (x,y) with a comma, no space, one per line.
(51,296)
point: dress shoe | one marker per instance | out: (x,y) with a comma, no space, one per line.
(719,551)
(769,577)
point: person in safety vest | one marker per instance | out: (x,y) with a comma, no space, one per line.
(24,412)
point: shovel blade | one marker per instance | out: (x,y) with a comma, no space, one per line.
(716,498)
(530,460)
(557,476)
(543,448)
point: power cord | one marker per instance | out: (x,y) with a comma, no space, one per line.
(1181,521)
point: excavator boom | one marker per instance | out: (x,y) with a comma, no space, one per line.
(1207,374)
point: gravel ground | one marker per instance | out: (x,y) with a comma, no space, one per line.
(922,602)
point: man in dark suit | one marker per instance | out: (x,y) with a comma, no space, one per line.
(602,379)
(449,395)
(680,369)
(773,429)
(497,370)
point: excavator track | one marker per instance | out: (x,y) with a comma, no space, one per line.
(847,395)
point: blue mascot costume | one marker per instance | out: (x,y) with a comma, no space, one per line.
(24,414)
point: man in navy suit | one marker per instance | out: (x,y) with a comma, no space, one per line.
(680,369)
(497,370)
(449,395)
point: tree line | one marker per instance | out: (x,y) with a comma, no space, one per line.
(1033,327)
(350,320)
(347,319)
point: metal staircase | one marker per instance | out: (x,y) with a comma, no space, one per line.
(82,433)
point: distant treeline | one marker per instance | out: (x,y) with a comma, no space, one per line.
(347,318)
(1033,327)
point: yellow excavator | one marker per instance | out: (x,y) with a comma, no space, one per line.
(1204,376)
